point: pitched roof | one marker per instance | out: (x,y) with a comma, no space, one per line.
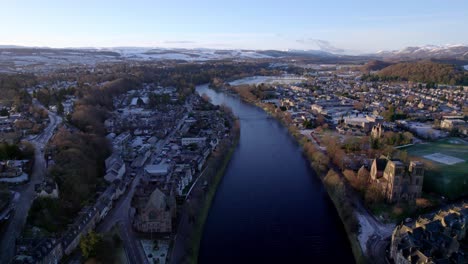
(157,200)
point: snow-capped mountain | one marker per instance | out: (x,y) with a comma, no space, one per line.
(14,58)
(459,51)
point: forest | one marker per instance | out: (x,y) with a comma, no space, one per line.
(12,90)
(423,71)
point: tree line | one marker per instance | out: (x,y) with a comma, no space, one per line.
(422,71)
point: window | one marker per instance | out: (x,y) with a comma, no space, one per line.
(417,181)
(152,215)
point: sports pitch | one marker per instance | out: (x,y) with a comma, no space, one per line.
(446,163)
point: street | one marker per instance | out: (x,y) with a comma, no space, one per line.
(26,192)
(121,212)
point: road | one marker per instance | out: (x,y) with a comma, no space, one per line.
(26,192)
(121,213)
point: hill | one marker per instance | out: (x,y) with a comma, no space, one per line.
(375,65)
(458,52)
(425,71)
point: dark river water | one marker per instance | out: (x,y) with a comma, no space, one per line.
(270,206)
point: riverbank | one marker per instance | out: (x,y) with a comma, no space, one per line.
(203,214)
(270,206)
(198,203)
(335,184)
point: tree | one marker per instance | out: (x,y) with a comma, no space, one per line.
(358,105)
(403,156)
(363,175)
(407,138)
(332,145)
(339,158)
(351,144)
(373,195)
(320,120)
(332,180)
(192,146)
(13,151)
(43,96)
(60,108)
(352,179)
(89,244)
(4,112)
(389,114)
(140,101)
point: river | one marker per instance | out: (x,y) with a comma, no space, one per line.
(270,206)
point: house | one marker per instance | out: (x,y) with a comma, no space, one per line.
(182,177)
(104,205)
(45,250)
(450,124)
(115,168)
(395,182)
(157,172)
(87,220)
(12,168)
(200,141)
(433,238)
(48,188)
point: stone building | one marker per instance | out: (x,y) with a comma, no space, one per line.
(155,213)
(377,131)
(433,238)
(396,181)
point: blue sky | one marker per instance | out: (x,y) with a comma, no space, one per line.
(352,26)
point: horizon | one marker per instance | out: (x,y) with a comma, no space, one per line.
(335,26)
(7,46)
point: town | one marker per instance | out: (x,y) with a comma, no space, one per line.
(159,148)
(145,156)
(400,145)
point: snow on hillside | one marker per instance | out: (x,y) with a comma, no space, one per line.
(32,59)
(456,51)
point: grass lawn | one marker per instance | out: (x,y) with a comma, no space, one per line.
(395,213)
(450,181)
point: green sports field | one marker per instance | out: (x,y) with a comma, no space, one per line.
(446,163)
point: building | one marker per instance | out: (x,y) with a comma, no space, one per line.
(377,131)
(434,238)
(157,172)
(12,168)
(396,182)
(47,188)
(365,122)
(44,251)
(450,124)
(182,177)
(85,223)
(200,141)
(115,168)
(156,213)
